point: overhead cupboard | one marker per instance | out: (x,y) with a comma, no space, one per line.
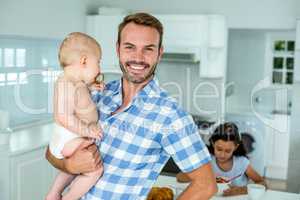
(201,38)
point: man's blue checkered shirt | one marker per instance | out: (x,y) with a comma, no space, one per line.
(139,140)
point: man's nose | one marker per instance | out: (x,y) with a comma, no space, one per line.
(139,56)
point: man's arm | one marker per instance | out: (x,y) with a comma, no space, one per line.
(203,185)
(85,159)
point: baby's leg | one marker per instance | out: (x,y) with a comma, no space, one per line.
(82,184)
(71,146)
(61,181)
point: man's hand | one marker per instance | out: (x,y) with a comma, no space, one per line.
(85,159)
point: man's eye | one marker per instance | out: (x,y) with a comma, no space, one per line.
(149,49)
(128,47)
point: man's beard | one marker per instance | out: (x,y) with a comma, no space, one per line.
(132,78)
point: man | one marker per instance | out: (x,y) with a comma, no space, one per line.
(143,127)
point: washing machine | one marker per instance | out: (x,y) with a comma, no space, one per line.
(251,125)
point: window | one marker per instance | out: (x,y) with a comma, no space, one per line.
(1,58)
(9,55)
(50,75)
(2,79)
(23,78)
(26,87)
(12,78)
(20,57)
(281,59)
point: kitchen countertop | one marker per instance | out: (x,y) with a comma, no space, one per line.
(170,181)
(30,138)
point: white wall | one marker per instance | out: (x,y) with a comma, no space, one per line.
(42,18)
(240,13)
(245,68)
(196,95)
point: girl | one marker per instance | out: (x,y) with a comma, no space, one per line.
(229,160)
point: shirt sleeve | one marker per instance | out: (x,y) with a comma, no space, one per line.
(183,143)
(242,163)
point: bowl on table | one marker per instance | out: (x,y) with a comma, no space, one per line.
(255,191)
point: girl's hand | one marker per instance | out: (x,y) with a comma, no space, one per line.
(235,190)
(95,131)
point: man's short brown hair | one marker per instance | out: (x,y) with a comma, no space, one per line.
(144,19)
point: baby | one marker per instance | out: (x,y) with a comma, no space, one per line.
(75,114)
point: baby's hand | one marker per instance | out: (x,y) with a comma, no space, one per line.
(95,131)
(99,86)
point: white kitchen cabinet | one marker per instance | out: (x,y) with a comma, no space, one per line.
(4,172)
(213,63)
(25,174)
(217,31)
(203,36)
(184,30)
(105,30)
(214,55)
(298,34)
(297,53)
(206,34)
(31,175)
(277,143)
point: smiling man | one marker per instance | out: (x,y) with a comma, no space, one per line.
(143,127)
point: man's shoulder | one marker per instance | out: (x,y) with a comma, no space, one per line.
(170,105)
(161,97)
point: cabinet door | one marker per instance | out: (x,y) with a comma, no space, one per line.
(213,63)
(4,172)
(31,176)
(184,30)
(213,58)
(278,148)
(297,54)
(105,30)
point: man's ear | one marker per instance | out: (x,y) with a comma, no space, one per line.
(160,52)
(83,60)
(118,49)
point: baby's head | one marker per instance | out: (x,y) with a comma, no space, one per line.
(82,52)
(226,141)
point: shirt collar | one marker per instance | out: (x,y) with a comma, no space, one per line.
(151,89)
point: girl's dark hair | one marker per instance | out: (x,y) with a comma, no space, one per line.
(228,132)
